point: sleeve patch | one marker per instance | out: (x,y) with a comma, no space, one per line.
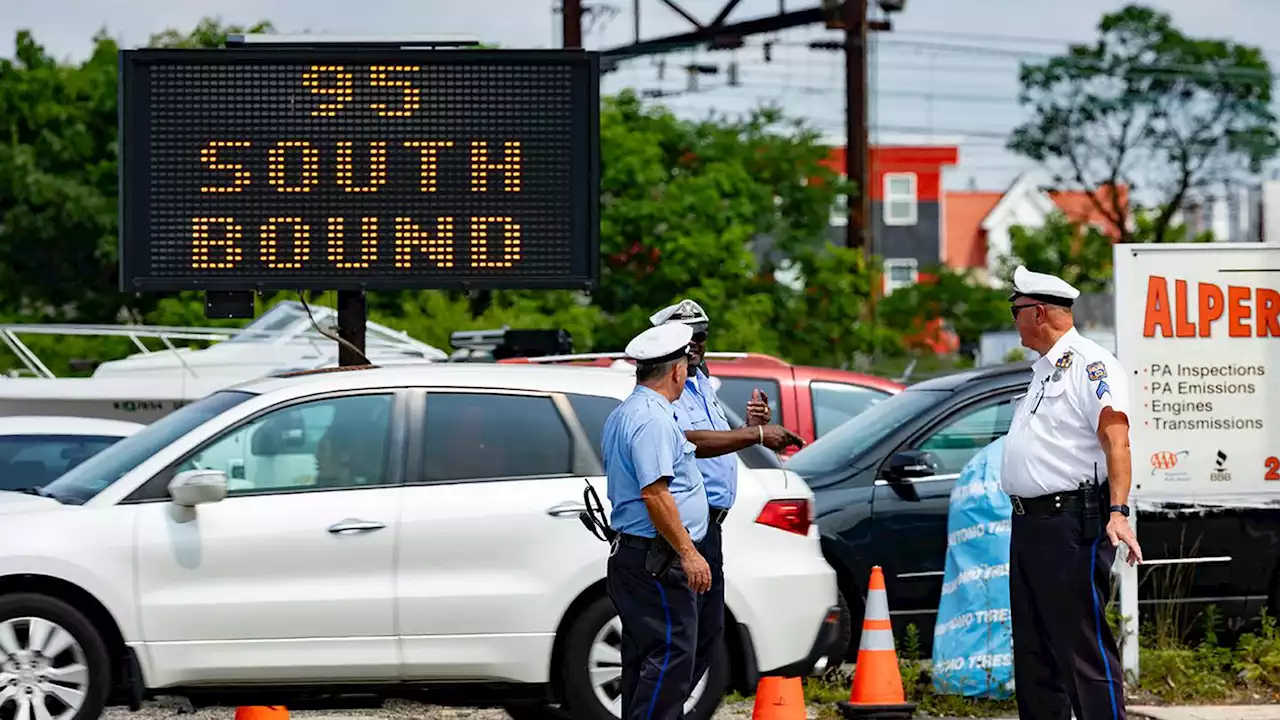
(1096,371)
(1103,388)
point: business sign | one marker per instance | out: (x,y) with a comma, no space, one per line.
(1198,329)
(251,168)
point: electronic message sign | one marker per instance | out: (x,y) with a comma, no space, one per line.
(328,168)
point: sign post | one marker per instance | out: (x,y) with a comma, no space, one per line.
(358,166)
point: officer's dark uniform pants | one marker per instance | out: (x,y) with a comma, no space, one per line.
(659,634)
(711,603)
(1064,654)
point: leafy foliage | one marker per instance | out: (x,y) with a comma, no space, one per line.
(58,182)
(1079,254)
(1147,106)
(967,305)
(1211,671)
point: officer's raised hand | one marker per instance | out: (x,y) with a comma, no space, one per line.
(778,438)
(758,411)
(696,570)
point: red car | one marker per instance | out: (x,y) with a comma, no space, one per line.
(809,401)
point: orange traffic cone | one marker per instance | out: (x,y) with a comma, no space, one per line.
(262,712)
(779,698)
(877,683)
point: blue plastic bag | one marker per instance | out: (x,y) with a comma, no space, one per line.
(973,640)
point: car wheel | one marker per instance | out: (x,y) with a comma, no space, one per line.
(53,663)
(838,653)
(592,669)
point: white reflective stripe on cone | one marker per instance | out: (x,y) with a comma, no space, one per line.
(876,640)
(877,605)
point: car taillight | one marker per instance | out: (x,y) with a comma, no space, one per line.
(790,515)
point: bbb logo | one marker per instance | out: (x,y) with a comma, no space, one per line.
(1220,473)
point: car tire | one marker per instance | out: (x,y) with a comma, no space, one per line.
(77,644)
(598,624)
(838,653)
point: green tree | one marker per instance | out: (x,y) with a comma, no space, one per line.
(1148,106)
(967,305)
(58,183)
(1079,254)
(1082,254)
(58,174)
(208,33)
(1147,228)
(687,208)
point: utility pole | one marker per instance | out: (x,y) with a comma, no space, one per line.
(856,158)
(571,19)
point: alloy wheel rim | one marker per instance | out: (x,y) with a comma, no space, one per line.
(43,671)
(604,668)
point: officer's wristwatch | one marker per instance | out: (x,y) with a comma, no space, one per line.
(1122,509)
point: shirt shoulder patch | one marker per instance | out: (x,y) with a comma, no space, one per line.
(1103,388)
(1096,371)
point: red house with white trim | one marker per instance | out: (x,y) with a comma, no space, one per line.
(906,207)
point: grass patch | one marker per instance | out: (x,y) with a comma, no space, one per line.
(1249,672)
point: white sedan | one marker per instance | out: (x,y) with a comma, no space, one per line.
(35,450)
(382,531)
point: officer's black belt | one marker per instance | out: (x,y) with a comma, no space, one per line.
(718,515)
(634,541)
(1053,504)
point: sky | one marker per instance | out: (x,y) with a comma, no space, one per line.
(946,74)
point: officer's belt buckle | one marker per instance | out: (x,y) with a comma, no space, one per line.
(1018,509)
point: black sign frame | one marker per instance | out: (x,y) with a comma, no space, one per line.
(135,242)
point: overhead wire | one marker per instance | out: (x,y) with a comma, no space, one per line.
(782,72)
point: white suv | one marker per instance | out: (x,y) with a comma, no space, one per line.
(383,531)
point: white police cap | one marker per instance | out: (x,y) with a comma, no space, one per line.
(1045,288)
(686,312)
(660,344)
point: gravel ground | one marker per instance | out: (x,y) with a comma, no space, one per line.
(392,711)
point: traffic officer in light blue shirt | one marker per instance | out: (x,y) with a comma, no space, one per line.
(707,427)
(659,510)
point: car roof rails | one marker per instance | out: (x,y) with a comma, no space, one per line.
(322,371)
(505,342)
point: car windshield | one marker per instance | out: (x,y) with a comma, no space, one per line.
(840,447)
(96,474)
(33,461)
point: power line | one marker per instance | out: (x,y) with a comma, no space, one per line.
(1022,39)
(1155,69)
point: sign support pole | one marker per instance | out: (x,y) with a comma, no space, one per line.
(1129,649)
(353,318)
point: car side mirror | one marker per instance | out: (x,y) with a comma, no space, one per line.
(190,488)
(910,464)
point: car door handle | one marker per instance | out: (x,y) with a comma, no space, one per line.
(566,509)
(352,526)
